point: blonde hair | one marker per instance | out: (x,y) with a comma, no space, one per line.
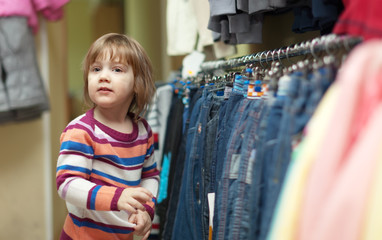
(123,49)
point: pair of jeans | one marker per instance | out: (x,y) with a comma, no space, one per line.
(265,142)
(213,105)
(188,220)
(227,189)
(226,125)
(277,160)
(227,115)
(239,191)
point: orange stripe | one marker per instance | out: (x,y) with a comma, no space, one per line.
(81,136)
(76,135)
(93,234)
(85,233)
(107,149)
(69,227)
(104,196)
(151,204)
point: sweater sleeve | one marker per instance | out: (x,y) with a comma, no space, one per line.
(150,173)
(74,167)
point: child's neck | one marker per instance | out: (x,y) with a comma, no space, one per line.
(117,120)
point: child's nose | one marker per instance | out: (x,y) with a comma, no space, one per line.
(104,77)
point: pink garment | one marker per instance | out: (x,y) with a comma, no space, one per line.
(337,188)
(50,9)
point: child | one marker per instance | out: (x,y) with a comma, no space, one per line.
(106,171)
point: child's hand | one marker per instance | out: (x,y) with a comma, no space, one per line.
(132,199)
(143,224)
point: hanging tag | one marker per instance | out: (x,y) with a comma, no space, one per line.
(211,206)
(227,92)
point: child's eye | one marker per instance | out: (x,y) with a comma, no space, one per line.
(118,69)
(96,69)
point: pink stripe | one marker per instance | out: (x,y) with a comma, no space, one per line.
(61,178)
(142,139)
(147,175)
(65,236)
(114,201)
(65,190)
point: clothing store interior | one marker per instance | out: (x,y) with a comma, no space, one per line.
(251,137)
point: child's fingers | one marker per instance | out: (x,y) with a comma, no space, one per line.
(136,204)
(147,192)
(129,208)
(133,218)
(142,196)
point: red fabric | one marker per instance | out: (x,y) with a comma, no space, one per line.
(361,18)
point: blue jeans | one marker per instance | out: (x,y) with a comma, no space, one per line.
(320,81)
(239,192)
(277,160)
(230,173)
(213,105)
(188,220)
(226,124)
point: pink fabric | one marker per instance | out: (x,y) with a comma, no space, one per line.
(341,175)
(50,9)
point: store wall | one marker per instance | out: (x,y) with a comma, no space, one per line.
(21,181)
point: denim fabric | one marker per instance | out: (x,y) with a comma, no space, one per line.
(188,220)
(226,125)
(256,140)
(265,143)
(230,172)
(213,104)
(320,81)
(227,116)
(239,199)
(277,160)
(176,168)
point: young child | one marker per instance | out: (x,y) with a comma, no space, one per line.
(106,171)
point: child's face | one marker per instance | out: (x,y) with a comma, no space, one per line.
(111,84)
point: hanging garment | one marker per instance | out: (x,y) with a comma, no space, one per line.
(23,87)
(187,29)
(315,15)
(331,209)
(287,212)
(50,9)
(157,118)
(177,165)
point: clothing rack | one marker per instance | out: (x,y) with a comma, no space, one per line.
(327,43)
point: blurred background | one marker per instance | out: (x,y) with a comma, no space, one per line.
(29,203)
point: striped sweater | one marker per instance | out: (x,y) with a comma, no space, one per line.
(95,164)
